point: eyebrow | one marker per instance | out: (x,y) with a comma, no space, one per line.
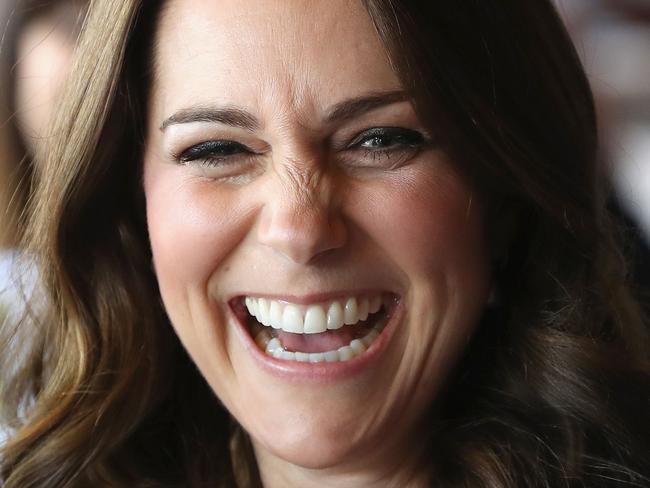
(238,117)
(354,107)
(233,116)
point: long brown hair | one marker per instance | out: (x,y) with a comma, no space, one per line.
(554,388)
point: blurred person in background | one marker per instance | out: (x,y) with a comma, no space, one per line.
(36,44)
(37,38)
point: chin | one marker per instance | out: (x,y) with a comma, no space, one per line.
(311,443)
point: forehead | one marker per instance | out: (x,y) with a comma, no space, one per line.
(249,51)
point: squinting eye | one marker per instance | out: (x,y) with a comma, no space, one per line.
(391,145)
(388,137)
(213,153)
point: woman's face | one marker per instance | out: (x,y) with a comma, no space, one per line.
(287,175)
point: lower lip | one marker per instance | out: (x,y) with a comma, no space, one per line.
(296,371)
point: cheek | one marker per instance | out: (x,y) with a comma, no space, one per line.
(431,225)
(428,221)
(192,228)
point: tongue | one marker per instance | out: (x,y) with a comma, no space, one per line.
(325,341)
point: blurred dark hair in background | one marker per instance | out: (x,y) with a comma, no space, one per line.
(613,39)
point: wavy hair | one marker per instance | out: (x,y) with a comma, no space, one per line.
(553,391)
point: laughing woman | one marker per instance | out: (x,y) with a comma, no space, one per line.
(328,243)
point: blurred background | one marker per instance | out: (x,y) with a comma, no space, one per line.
(37,39)
(613,39)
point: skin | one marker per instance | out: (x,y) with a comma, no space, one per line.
(307,215)
(44,54)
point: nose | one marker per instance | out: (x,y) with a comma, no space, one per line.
(300,220)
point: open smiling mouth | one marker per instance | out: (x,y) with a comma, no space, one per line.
(331,331)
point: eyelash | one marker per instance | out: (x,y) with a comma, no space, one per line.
(212,153)
(402,142)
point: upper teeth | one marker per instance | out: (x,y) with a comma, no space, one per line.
(312,319)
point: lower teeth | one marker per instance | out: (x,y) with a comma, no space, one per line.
(356,347)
